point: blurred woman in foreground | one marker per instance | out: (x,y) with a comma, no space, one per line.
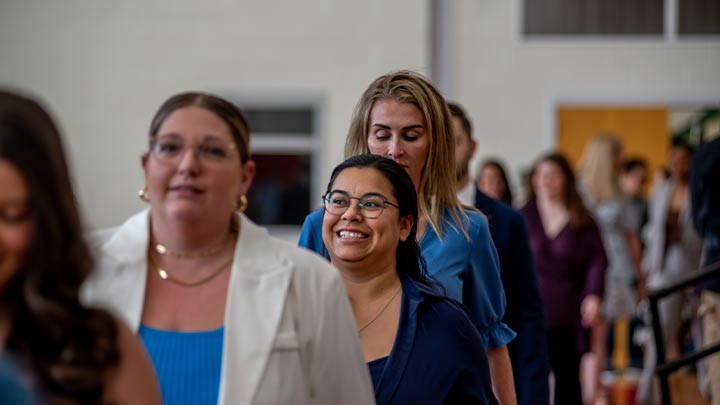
(65,352)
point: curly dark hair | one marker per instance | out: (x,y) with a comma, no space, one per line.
(66,348)
(409,259)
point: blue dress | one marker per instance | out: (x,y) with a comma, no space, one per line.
(467,269)
(437,357)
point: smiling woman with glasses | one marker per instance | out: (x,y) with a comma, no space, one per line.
(404,117)
(401,315)
(228,314)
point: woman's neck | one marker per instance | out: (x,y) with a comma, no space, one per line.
(551,203)
(363,286)
(188,237)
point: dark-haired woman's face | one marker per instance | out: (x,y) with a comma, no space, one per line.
(491,182)
(15,220)
(194,171)
(351,237)
(549,181)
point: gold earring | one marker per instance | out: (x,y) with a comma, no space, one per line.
(242,204)
(143,194)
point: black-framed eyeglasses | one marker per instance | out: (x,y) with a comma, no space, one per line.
(370,205)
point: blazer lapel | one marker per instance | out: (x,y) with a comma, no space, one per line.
(123,279)
(256,299)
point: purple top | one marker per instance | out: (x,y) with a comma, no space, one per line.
(570,266)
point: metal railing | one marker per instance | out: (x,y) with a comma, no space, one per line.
(663,369)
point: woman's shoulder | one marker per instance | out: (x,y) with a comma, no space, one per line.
(440,311)
(133,381)
(471,219)
(447,318)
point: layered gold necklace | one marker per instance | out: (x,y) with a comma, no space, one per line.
(164,274)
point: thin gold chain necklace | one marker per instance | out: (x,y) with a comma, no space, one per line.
(212,251)
(165,275)
(381,310)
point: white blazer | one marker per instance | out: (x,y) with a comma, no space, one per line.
(289,334)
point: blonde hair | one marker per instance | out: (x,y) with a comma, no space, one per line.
(597,168)
(436,190)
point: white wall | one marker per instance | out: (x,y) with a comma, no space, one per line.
(510,86)
(105,66)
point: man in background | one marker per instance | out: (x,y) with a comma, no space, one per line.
(524,312)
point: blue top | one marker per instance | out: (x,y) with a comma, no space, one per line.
(376,369)
(468,269)
(187,364)
(437,357)
(524,313)
(15,386)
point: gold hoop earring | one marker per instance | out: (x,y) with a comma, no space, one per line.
(143,194)
(241,204)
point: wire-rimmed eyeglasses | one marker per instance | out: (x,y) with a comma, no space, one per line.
(371,205)
(171,148)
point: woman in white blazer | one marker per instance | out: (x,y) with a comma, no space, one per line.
(228,314)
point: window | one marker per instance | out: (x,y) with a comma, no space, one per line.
(283,143)
(593,17)
(659,19)
(698,17)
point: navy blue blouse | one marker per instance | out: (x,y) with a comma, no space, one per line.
(438,356)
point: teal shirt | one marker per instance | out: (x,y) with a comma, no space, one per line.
(187,364)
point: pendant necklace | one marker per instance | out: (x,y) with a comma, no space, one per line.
(381,310)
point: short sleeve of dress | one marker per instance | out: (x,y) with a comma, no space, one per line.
(483,292)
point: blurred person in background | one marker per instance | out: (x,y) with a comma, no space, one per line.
(493,181)
(228,314)
(599,178)
(403,116)
(524,312)
(53,350)
(571,262)
(705,199)
(633,180)
(672,249)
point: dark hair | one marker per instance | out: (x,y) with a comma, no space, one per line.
(67,348)
(507,196)
(409,259)
(579,214)
(224,109)
(634,163)
(681,144)
(458,112)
